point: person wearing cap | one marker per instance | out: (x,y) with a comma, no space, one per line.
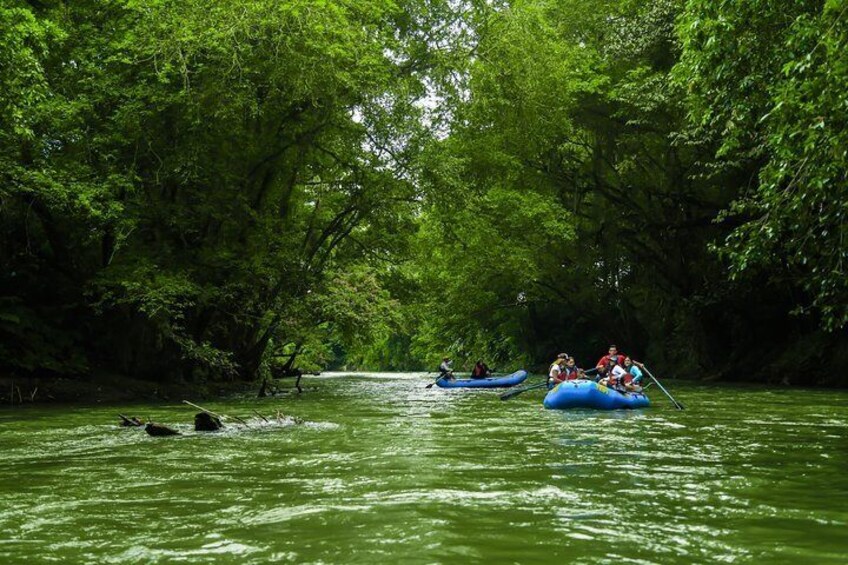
(445,369)
(617,374)
(607,377)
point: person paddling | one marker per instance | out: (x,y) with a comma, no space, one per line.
(445,369)
(635,382)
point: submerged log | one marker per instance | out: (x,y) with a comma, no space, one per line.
(206,422)
(133,422)
(160,430)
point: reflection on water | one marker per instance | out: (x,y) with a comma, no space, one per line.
(384,470)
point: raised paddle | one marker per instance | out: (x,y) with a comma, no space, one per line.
(662,388)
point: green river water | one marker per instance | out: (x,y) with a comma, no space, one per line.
(385,471)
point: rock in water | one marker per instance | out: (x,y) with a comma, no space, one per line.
(160,430)
(206,422)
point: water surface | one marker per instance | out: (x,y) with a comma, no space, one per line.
(383,470)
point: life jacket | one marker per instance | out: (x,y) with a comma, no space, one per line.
(605,360)
(570,373)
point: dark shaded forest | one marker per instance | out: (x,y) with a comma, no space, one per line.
(221,190)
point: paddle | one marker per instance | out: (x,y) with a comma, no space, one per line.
(437,379)
(662,388)
(516,392)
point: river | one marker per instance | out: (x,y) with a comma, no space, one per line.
(383,470)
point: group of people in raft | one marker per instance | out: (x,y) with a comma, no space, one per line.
(615,370)
(480,370)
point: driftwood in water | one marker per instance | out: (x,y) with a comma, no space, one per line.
(206,422)
(130,422)
(283,373)
(288,369)
(160,430)
(219,416)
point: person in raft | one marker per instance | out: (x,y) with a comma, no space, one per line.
(616,376)
(480,370)
(627,378)
(633,367)
(603,364)
(556,369)
(571,371)
(445,369)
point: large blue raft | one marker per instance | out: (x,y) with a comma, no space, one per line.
(589,394)
(489,382)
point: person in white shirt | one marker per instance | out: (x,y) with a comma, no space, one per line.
(556,369)
(445,369)
(615,375)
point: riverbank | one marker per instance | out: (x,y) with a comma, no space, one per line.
(108,389)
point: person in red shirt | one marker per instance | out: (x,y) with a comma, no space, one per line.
(603,364)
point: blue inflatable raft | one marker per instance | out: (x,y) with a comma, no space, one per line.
(490,382)
(589,394)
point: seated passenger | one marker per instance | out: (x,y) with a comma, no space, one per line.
(480,371)
(555,372)
(616,377)
(635,384)
(571,371)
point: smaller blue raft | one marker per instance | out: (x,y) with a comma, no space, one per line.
(490,382)
(589,394)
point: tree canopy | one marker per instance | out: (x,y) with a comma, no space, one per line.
(202,190)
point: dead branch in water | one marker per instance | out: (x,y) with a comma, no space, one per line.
(133,422)
(223,416)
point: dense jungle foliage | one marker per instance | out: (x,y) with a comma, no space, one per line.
(212,190)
